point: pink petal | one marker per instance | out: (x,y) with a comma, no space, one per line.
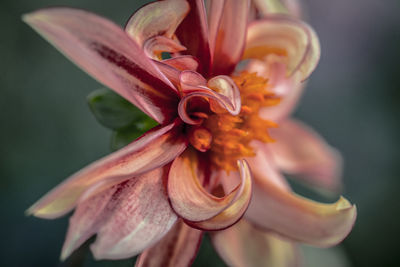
(244,245)
(306,155)
(193,34)
(190,80)
(141,216)
(177,249)
(289,89)
(188,197)
(268,7)
(154,149)
(87,218)
(160,18)
(278,209)
(169,71)
(261,166)
(221,91)
(225,86)
(231,36)
(214,13)
(233,213)
(172,68)
(182,62)
(103,50)
(286,36)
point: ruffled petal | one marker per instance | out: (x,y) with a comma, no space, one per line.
(141,216)
(188,197)
(183,62)
(103,50)
(221,91)
(301,151)
(245,246)
(173,67)
(287,37)
(177,249)
(230,36)
(193,33)
(154,149)
(160,18)
(169,71)
(280,210)
(233,213)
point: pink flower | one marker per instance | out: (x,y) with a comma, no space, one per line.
(190,174)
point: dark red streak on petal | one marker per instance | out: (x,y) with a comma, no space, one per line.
(161,93)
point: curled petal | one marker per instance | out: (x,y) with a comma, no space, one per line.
(177,249)
(140,216)
(188,197)
(230,36)
(284,36)
(221,91)
(159,18)
(173,67)
(104,50)
(193,34)
(233,213)
(306,155)
(190,80)
(280,210)
(154,46)
(182,62)
(225,86)
(169,71)
(244,245)
(154,149)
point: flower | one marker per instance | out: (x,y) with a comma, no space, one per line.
(211,164)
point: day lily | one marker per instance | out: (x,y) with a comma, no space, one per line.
(213,163)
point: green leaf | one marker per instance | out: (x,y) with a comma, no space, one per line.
(116,113)
(123,137)
(112,110)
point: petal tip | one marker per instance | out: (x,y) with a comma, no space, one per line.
(33,210)
(350,210)
(65,253)
(26,17)
(28,212)
(42,212)
(343,204)
(32,17)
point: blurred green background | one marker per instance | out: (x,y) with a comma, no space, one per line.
(352,99)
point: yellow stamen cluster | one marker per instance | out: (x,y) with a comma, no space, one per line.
(231,135)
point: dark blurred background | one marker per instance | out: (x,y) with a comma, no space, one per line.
(47,131)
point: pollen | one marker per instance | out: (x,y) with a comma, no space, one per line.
(231,135)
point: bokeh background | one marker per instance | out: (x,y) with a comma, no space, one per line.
(352,99)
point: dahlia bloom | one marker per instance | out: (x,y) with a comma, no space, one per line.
(214,161)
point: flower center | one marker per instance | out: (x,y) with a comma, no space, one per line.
(230,136)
